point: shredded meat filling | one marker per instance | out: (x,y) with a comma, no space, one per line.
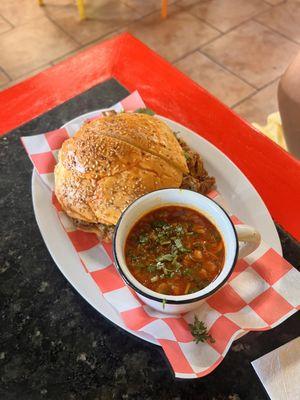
(197,180)
(104,232)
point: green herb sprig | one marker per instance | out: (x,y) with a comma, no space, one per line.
(186,155)
(144,111)
(199,331)
(143,239)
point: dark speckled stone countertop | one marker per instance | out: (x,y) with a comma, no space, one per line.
(53,345)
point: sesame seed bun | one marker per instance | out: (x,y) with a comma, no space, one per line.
(112,161)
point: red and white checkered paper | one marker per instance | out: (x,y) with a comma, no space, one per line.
(261,293)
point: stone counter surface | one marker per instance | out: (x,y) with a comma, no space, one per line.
(53,344)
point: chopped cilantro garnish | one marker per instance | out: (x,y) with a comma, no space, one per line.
(179,229)
(187,271)
(165,257)
(164,242)
(178,243)
(160,265)
(158,224)
(180,246)
(151,268)
(143,239)
(176,264)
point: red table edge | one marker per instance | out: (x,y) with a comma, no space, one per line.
(274,172)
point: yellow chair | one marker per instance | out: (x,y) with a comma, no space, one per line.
(80,6)
(82,15)
(164,8)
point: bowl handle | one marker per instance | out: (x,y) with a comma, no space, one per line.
(250,238)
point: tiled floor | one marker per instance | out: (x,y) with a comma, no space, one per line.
(236,49)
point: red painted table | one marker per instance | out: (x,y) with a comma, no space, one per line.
(273,172)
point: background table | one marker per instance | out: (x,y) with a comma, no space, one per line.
(52,343)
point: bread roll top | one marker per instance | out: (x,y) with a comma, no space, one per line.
(143,131)
(112,161)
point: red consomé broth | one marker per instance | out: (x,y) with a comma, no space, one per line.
(174,250)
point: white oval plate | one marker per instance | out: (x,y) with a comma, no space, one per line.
(235,188)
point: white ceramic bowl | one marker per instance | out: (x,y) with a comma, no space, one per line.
(181,197)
